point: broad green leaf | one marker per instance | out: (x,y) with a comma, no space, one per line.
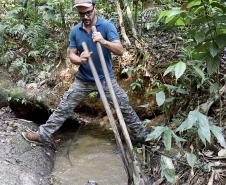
(193,3)
(162,14)
(167,138)
(156,133)
(166,162)
(180,67)
(168,169)
(170,19)
(192,117)
(202,136)
(213,50)
(221,39)
(214,88)
(198,9)
(170,175)
(219,5)
(199,37)
(199,21)
(203,124)
(160,98)
(213,65)
(217,132)
(180,22)
(191,159)
(184,126)
(189,122)
(174,11)
(169,70)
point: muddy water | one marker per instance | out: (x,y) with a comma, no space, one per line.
(88,154)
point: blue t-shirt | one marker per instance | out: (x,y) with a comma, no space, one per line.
(79,35)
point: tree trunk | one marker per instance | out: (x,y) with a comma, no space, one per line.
(121,24)
(130,18)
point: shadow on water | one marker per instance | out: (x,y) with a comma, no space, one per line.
(88,153)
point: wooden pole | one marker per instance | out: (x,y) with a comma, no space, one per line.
(137,176)
(110,116)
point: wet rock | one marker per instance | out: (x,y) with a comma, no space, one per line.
(21,163)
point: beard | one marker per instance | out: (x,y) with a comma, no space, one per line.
(87,22)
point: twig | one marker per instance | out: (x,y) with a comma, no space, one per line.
(158,182)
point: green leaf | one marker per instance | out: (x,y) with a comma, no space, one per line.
(169,70)
(219,5)
(162,14)
(178,139)
(213,65)
(193,3)
(203,124)
(180,22)
(221,40)
(156,133)
(167,138)
(214,88)
(174,11)
(200,73)
(168,169)
(202,136)
(193,116)
(191,159)
(213,50)
(170,175)
(180,67)
(189,122)
(217,132)
(171,87)
(170,19)
(184,126)
(160,98)
(199,37)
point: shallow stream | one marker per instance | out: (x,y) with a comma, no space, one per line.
(88,153)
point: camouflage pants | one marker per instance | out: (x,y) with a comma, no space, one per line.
(77,91)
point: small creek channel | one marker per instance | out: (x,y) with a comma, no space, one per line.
(88,153)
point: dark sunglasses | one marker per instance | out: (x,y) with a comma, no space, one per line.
(87,13)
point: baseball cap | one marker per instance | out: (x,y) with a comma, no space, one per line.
(85,3)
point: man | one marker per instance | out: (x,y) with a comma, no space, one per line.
(108,37)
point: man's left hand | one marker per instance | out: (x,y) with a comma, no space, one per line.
(97,37)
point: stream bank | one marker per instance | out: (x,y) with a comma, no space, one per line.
(22,163)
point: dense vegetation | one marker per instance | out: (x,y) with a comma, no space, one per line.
(178,47)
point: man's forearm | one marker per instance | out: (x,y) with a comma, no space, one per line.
(115,47)
(75,59)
